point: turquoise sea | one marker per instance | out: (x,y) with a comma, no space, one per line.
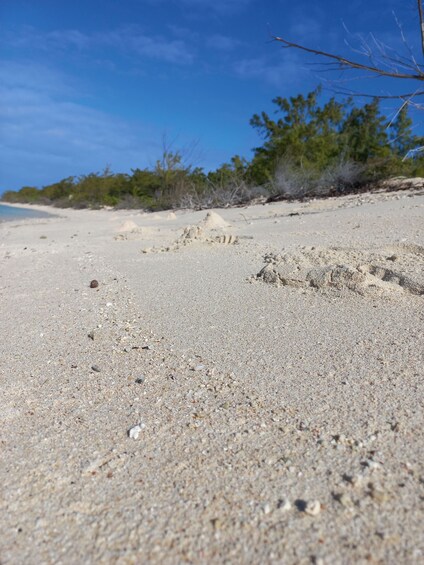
(10,213)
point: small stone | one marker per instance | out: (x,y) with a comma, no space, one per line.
(284,505)
(147,347)
(313,508)
(345,500)
(354,480)
(140,380)
(267,509)
(216,523)
(198,368)
(373,465)
(91,335)
(94,283)
(134,432)
(95,368)
(379,495)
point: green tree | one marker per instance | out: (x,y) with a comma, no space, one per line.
(305,134)
(364,133)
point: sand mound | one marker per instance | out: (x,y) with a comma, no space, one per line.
(213,221)
(194,234)
(127,226)
(171,216)
(363,272)
(127,232)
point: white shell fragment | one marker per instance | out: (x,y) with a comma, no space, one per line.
(134,432)
(284,505)
(313,508)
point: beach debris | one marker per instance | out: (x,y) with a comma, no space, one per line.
(94,283)
(95,368)
(140,380)
(312,508)
(135,431)
(91,335)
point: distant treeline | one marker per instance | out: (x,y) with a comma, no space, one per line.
(308,150)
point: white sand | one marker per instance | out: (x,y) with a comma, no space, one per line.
(258,395)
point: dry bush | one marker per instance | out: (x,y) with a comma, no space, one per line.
(292,182)
(235,193)
(340,178)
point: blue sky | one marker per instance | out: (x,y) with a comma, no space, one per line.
(85,84)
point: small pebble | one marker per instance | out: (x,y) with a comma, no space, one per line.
(372,464)
(95,368)
(379,495)
(91,335)
(345,500)
(313,508)
(134,432)
(267,509)
(140,380)
(216,523)
(198,368)
(284,505)
(94,284)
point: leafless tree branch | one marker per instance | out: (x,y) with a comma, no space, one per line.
(344,63)
(382,60)
(421,18)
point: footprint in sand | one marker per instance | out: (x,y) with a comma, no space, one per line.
(363,272)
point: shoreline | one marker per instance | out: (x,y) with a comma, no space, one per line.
(278,418)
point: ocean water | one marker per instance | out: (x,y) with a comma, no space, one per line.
(10,213)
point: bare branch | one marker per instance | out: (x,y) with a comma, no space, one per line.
(404,40)
(408,95)
(345,63)
(421,18)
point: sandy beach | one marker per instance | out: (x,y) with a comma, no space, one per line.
(242,386)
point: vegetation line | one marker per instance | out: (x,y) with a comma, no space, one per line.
(308,150)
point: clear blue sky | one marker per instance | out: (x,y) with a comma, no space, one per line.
(88,83)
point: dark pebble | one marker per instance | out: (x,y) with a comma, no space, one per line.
(96,369)
(94,284)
